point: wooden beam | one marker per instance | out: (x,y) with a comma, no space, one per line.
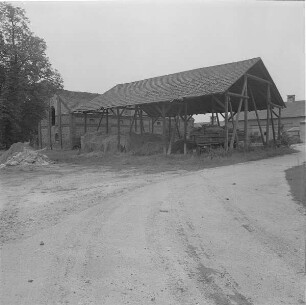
(118,130)
(226,122)
(259,79)
(217,119)
(218,102)
(232,120)
(246,121)
(237,95)
(100,120)
(273,130)
(107,121)
(176,118)
(185,128)
(163,108)
(268,116)
(279,123)
(257,117)
(85,122)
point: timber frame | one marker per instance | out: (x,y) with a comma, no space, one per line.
(250,92)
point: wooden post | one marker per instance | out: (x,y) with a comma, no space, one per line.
(169,126)
(85,122)
(246,106)
(118,130)
(164,128)
(136,113)
(141,122)
(226,122)
(273,130)
(107,130)
(100,121)
(185,128)
(268,116)
(257,117)
(217,119)
(279,127)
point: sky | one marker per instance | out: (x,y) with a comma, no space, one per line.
(96,45)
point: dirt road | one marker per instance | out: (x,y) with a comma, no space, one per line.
(85,235)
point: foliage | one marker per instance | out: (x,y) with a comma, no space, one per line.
(27,78)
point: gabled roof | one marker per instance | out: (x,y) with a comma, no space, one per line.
(293,110)
(72,99)
(190,84)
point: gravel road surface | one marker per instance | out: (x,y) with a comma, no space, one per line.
(222,236)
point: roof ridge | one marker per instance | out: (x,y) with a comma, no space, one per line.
(212,66)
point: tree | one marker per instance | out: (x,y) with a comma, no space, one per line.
(27,79)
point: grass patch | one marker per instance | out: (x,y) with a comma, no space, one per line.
(162,163)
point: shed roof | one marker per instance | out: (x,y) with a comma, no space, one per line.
(73,99)
(193,85)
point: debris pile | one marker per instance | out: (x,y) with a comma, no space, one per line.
(22,154)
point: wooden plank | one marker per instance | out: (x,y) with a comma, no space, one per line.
(257,117)
(217,119)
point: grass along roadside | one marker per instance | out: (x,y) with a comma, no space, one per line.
(162,163)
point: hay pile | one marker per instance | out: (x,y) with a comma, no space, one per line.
(98,141)
(22,154)
(145,144)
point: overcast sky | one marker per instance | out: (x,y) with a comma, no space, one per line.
(96,45)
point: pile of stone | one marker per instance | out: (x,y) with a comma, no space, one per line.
(23,154)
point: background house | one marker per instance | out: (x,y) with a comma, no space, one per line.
(64,126)
(291,119)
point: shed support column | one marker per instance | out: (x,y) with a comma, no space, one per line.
(118,130)
(85,122)
(272,124)
(279,127)
(185,128)
(140,121)
(107,121)
(268,116)
(164,128)
(246,106)
(226,123)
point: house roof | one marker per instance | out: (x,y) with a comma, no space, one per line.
(292,110)
(72,99)
(191,85)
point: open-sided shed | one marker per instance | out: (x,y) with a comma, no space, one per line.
(225,90)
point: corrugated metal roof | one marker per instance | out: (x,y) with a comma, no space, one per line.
(292,110)
(193,83)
